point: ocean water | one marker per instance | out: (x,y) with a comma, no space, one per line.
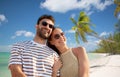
(4,59)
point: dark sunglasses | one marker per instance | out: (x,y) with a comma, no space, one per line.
(57,36)
(45,24)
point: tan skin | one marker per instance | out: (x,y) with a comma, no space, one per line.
(57,65)
(79,52)
(16,69)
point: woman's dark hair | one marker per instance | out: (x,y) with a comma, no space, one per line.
(50,45)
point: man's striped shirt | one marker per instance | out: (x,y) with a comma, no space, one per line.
(36,59)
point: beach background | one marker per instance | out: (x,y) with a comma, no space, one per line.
(4,59)
(18,20)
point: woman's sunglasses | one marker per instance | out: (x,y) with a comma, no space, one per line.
(57,36)
(44,23)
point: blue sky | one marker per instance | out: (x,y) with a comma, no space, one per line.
(18,19)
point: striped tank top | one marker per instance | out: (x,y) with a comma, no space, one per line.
(70,64)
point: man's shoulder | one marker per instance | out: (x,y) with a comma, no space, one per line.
(49,48)
(23,42)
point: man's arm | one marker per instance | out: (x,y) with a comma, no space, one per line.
(16,70)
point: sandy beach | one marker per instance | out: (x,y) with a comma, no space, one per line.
(106,66)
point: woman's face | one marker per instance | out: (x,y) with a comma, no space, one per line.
(58,39)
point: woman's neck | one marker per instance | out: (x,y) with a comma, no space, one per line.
(63,49)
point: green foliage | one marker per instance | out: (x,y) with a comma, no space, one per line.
(117,10)
(113,47)
(99,50)
(117,26)
(73,21)
(82,27)
(110,47)
(76,35)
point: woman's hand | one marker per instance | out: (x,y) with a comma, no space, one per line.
(57,65)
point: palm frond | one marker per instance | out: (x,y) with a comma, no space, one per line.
(117,10)
(76,37)
(82,34)
(74,28)
(74,22)
(82,27)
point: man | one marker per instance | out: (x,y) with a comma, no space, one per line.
(33,58)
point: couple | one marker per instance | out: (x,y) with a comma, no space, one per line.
(47,55)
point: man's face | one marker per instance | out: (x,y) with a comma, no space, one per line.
(44,28)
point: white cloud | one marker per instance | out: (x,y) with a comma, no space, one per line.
(104,34)
(23,33)
(2,18)
(101,6)
(67,5)
(58,5)
(118,15)
(90,45)
(89,13)
(70,31)
(93,41)
(5,48)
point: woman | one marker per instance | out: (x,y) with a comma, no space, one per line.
(74,60)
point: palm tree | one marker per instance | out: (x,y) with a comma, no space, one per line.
(110,47)
(117,26)
(82,27)
(117,10)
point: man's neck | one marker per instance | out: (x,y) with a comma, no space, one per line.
(39,40)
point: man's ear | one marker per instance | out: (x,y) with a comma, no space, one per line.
(36,26)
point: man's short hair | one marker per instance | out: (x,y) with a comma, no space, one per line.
(45,17)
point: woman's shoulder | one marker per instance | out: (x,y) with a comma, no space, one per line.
(79,50)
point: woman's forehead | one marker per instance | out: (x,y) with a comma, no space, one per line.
(57,30)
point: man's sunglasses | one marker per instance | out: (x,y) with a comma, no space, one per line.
(44,23)
(57,36)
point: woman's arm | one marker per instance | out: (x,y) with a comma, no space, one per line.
(16,70)
(83,63)
(57,65)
